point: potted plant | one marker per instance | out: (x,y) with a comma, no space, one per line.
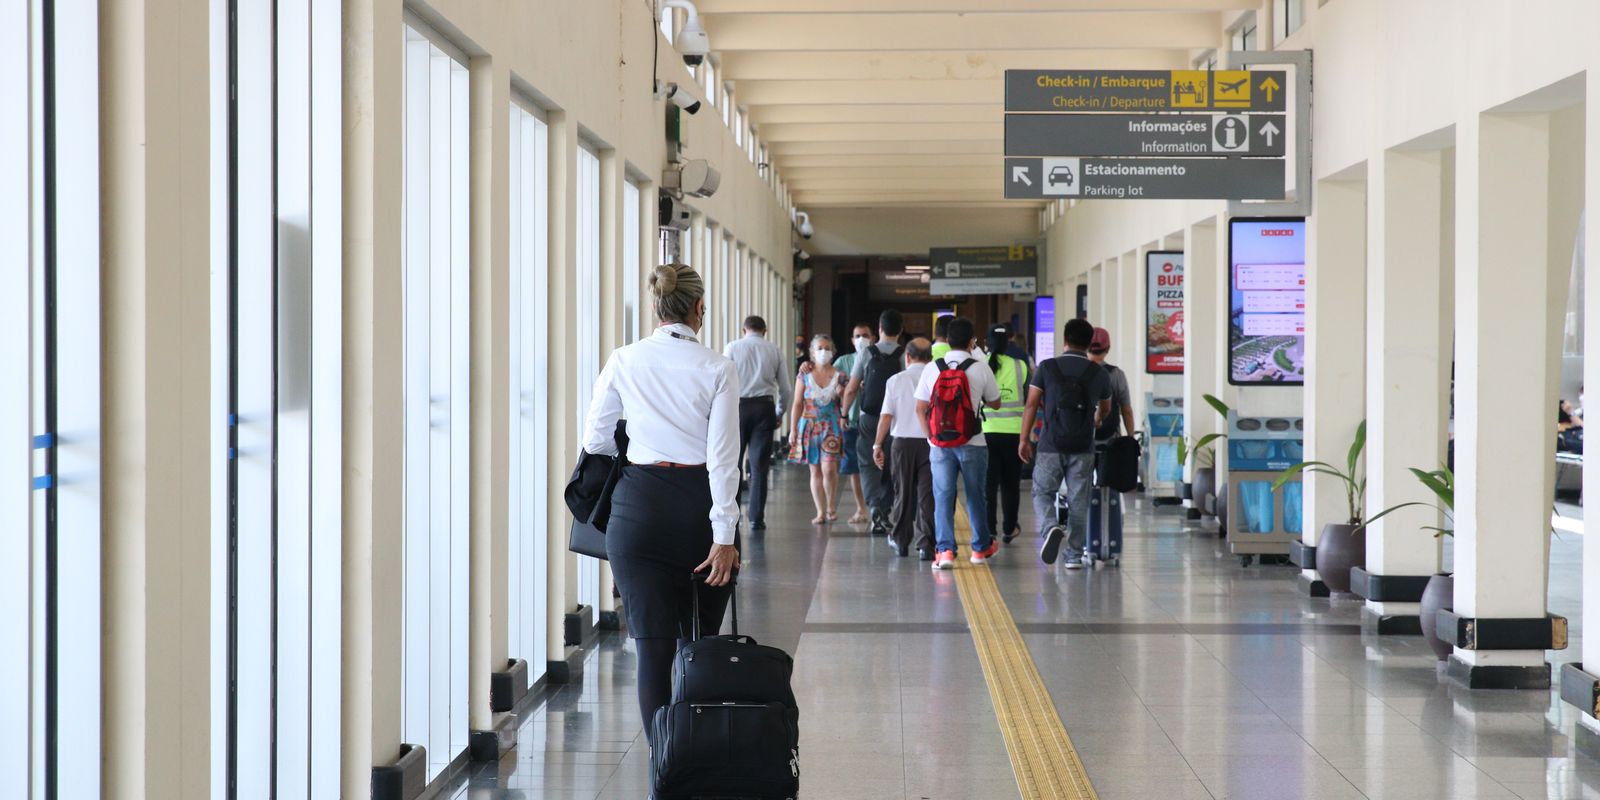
(1343,545)
(1439,594)
(1204,476)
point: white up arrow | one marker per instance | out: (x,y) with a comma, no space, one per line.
(1270,130)
(1019,174)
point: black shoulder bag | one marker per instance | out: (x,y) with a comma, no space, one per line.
(588,496)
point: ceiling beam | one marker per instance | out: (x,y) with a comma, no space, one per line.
(802,176)
(932,64)
(887,32)
(986,91)
(793,163)
(884,131)
(985,147)
(763,116)
(961,6)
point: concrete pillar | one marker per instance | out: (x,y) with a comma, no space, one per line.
(613,309)
(1408,355)
(1202,316)
(1591,374)
(488,598)
(562,588)
(157,452)
(1335,370)
(1216,337)
(1504,409)
(373,391)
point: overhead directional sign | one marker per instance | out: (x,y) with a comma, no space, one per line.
(984,270)
(1131,178)
(1145,90)
(1153,134)
(1215,134)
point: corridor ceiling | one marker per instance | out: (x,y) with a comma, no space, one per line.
(871,103)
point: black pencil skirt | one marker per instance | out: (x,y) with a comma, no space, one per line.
(659,531)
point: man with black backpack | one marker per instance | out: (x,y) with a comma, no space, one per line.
(868,378)
(1075,394)
(949,395)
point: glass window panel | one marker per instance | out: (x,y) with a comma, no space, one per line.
(588,285)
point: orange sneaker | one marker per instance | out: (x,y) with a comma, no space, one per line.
(946,559)
(982,556)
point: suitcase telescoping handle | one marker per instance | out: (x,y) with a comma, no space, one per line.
(698,578)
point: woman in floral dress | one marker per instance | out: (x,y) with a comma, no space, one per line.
(818,434)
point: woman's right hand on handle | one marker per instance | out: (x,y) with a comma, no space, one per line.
(722,562)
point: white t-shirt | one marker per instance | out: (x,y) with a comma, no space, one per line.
(899,399)
(980,380)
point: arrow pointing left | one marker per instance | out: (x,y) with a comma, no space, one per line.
(1019,174)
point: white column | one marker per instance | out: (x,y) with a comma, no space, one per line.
(1408,359)
(490,394)
(562,589)
(1097,291)
(1591,374)
(1503,421)
(1335,372)
(153,726)
(1202,316)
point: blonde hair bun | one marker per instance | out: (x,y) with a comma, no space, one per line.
(664,280)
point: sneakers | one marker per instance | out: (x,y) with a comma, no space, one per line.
(1052,544)
(946,559)
(982,556)
(1010,534)
(1074,560)
(924,554)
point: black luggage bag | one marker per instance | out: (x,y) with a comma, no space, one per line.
(732,729)
(1118,467)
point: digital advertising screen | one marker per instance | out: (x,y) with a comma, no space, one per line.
(1267,307)
(1163,321)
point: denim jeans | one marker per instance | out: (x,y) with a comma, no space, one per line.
(971,462)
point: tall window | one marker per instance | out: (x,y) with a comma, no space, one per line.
(1244,36)
(666,23)
(588,320)
(50,700)
(725,294)
(276,378)
(436,399)
(528,548)
(709,70)
(727,106)
(1290,15)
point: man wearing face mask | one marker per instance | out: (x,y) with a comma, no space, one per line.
(861,338)
(868,380)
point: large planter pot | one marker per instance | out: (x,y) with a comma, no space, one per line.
(1205,485)
(1222,510)
(1438,595)
(1341,547)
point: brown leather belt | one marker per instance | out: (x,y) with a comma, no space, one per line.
(676,465)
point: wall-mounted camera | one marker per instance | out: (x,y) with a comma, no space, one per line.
(804,220)
(678,96)
(696,178)
(673,213)
(693,43)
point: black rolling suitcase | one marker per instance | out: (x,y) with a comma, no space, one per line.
(732,730)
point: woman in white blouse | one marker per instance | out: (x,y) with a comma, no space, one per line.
(675,509)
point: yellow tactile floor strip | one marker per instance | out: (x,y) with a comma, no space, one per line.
(1042,756)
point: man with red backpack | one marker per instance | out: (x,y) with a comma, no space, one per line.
(949,396)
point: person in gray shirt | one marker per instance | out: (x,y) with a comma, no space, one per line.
(868,380)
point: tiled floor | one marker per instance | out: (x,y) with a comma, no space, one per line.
(1178,675)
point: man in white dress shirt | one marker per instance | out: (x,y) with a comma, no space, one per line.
(764,389)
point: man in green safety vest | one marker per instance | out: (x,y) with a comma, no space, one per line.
(1002,429)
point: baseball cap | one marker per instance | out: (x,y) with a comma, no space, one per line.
(1101,342)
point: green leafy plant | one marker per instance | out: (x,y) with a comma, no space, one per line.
(1201,448)
(1442,482)
(1352,475)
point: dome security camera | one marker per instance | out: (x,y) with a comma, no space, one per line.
(693,44)
(678,96)
(805,225)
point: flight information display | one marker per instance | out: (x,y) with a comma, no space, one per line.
(1267,310)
